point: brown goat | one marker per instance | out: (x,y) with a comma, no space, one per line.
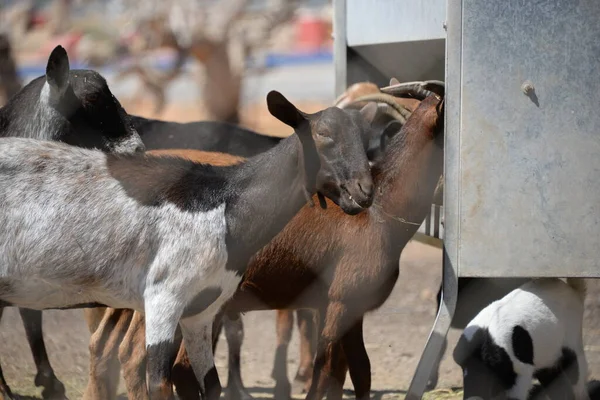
(325,261)
(346,268)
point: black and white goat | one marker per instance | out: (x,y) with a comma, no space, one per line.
(162,235)
(535,331)
(78,108)
(71,106)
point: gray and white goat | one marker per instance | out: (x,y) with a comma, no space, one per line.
(163,235)
(75,107)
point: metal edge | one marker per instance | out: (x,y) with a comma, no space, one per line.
(452,124)
(340,46)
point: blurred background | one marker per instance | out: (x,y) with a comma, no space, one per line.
(181,60)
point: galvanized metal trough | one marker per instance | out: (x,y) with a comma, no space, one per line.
(522,139)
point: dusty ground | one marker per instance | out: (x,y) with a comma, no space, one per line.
(395,334)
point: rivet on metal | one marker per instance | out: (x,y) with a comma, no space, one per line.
(527,87)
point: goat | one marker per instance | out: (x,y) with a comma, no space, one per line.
(341,262)
(355,96)
(71,106)
(178,138)
(473,295)
(75,107)
(112,328)
(133,249)
(535,331)
(214,136)
(341,266)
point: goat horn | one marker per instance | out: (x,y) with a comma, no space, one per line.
(392,112)
(418,89)
(386,99)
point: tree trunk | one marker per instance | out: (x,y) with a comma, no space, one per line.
(10,83)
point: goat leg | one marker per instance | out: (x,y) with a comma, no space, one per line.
(284,325)
(358,360)
(104,351)
(186,384)
(53,388)
(329,353)
(234,332)
(305,320)
(197,335)
(132,356)
(5,392)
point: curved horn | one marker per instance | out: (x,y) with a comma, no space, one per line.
(392,112)
(386,99)
(418,89)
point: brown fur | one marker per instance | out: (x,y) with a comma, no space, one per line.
(213,158)
(343,266)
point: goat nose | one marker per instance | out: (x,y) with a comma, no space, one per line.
(366,187)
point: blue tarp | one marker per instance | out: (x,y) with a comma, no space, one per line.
(271,60)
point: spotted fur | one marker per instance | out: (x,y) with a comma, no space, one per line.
(534,331)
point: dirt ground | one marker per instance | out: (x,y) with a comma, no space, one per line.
(395,334)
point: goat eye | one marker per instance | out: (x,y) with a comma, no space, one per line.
(323,137)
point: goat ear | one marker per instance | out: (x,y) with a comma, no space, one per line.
(369,111)
(461,351)
(394,81)
(390,130)
(57,72)
(283,110)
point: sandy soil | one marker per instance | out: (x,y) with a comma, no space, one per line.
(395,335)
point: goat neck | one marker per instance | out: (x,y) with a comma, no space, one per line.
(272,188)
(409,171)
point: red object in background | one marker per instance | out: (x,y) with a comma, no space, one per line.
(68,41)
(311,33)
(38,20)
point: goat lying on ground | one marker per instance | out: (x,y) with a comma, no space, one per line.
(339,265)
(535,331)
(75,107)
(165,235)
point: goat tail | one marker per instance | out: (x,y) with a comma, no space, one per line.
(578,285)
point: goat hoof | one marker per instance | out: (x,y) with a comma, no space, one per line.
(237,394)
(283,391)
(53,388)
(300,386)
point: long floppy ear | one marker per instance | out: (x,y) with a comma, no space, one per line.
(57,73)
(390,130)
(369,111)
(283,110)
(465,348)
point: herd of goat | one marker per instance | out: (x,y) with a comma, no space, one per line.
(165,233)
